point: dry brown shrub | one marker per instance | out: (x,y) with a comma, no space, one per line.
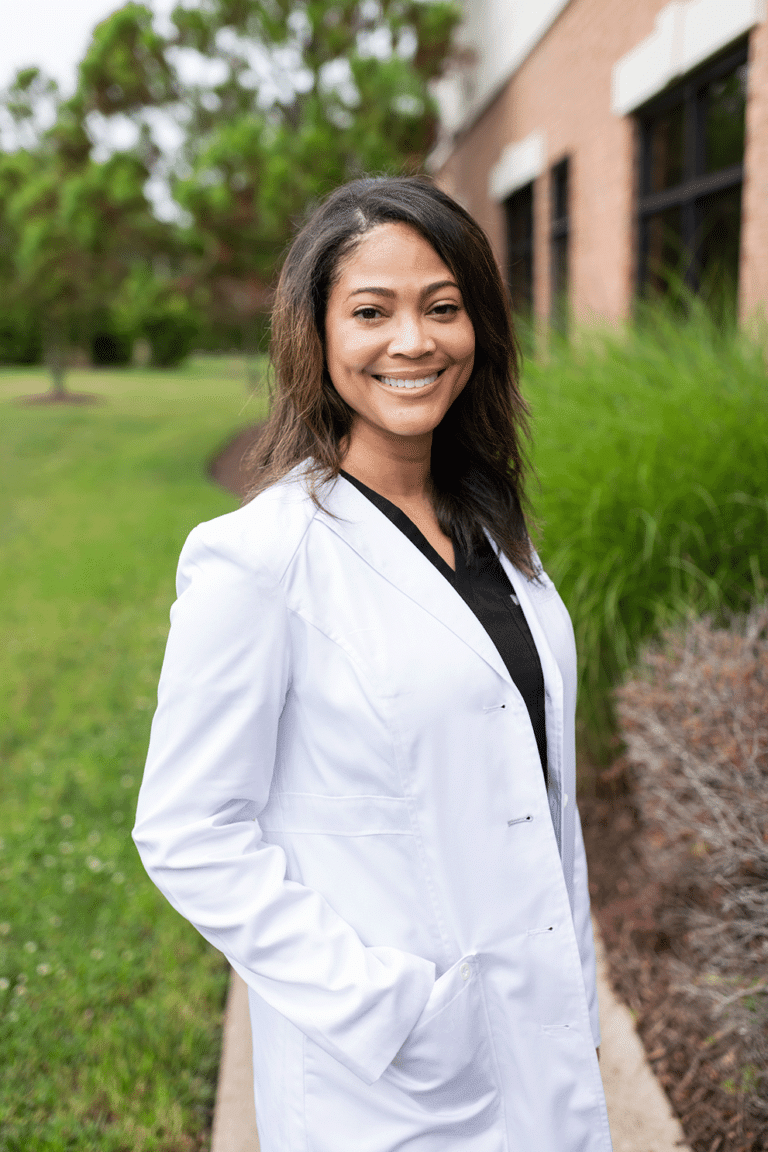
(692,928)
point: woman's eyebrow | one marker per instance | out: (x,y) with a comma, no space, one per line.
(430,288)
(373,291)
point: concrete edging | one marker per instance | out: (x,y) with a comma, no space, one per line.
(234,1117)
(639,1112)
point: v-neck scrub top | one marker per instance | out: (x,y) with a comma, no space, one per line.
(484,586)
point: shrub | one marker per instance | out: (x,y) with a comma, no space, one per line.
(21,339)
(171,328)
(695,720)
(154,308)
(111,349)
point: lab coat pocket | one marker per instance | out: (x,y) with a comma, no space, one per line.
(446,1063)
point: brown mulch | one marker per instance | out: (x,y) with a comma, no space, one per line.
(226,467)
(46,398)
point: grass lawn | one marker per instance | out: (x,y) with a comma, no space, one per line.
(110,1004)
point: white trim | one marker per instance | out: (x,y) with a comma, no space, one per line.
(500,35)
(518,164)
(686,33)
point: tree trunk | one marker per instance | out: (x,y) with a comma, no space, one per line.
(55,358)
(58,373)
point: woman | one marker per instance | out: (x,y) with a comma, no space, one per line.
(360,779)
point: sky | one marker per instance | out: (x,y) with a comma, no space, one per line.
(52,34)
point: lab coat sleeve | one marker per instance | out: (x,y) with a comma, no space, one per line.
(583,926)
(211,758)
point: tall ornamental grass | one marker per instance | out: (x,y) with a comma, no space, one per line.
(651,448)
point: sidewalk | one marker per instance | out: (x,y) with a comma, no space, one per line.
(234,1118)
(639,1112)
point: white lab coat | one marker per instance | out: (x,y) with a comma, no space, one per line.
(344,794)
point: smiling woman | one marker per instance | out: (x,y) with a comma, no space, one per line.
(360,779)
(410,333)
(427,268)
(398,353)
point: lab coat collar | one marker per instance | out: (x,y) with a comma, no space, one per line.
(379,542)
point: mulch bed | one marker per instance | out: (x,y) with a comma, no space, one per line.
(698,1056)
(57,398)
(226,467)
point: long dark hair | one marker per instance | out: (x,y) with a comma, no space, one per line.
(478,459)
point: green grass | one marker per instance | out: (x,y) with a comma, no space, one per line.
(650,448)
(110,1004)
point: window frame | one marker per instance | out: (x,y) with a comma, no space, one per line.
(559,238)
(695,184)
(522,250)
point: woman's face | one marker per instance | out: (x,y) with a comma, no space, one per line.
(400,346)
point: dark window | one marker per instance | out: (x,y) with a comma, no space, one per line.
(559,229)
(665,148)
(691,173)
(725,106)
(519,213)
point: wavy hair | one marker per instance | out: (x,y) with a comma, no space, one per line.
(478,462)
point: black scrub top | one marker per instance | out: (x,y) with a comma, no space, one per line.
(484,586)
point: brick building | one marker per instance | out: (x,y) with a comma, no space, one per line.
(611,146)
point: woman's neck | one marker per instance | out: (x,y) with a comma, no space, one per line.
(398,468)
(395,467)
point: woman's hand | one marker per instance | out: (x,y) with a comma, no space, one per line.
(446,1061)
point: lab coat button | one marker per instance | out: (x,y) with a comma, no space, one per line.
(465,971)
(565,799)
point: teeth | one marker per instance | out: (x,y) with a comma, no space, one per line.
(394,382)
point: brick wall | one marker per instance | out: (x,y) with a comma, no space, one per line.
(563,89)
(753,287)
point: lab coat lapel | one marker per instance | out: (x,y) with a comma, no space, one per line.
(553,689)
(553,681)
(382,545)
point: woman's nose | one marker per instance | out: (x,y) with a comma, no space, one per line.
(410,337)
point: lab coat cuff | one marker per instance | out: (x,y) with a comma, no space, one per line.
(373,1052)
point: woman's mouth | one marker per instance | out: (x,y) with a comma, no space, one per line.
(402,382)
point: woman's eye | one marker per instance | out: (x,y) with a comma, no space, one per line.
(445,309)
(369,313)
